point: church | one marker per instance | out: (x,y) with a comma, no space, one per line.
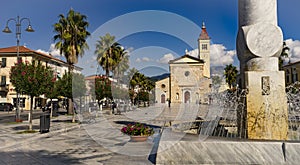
(189,80)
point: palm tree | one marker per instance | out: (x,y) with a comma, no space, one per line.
(123,65)
(71,34)
(109,53)
(149,84)
(230,73)
(137,79)
(131,72)
(284,54)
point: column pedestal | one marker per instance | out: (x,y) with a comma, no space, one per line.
(267,115)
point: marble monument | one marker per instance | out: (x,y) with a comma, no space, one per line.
(259,44)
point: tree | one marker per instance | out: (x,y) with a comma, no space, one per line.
(118,92)
(122,66)
(78,85)
(130,74)
(64,85)
(216,82)
(143,84)
(52,94)
(71,89)
(103,88)
(71,33)
(284,54)
(148,84)
(109,53)
(33,80)
(230,73)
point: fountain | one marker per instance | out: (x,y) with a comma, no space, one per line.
(260,121)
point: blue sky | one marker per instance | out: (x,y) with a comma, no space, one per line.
(154,31)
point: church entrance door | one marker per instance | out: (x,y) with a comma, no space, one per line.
(187,96)
(163,98)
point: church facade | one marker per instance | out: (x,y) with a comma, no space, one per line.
(189,80)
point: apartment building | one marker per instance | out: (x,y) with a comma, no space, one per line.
(8,58)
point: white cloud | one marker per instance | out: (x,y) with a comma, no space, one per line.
(52,51)
(166,58)
(219,56)
(144,59)
(193,53)
(294,52)
(42,51)
(138,60)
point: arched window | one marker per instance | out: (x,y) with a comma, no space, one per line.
(187,96)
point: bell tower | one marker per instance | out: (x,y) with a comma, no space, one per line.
(204,50)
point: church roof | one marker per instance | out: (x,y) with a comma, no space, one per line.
(204,35)
(194,59)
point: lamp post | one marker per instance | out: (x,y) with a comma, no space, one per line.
(18,22)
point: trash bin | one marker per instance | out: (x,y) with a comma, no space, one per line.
(44,123)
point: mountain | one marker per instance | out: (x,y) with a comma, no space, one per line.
(160,77)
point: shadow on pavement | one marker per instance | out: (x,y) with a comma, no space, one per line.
(64,121)
(25,127)
(37,157)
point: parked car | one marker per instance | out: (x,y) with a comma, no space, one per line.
(6,106)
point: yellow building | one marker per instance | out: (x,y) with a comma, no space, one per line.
(8,58)
(189,80)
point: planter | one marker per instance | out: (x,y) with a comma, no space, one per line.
(138,138)
(19,120)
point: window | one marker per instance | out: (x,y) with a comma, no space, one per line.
(21,102)
(3,81)
(3,63)
(163,86)
(294,75)
(204,46)
(287,76)
(187,73)
(177,96)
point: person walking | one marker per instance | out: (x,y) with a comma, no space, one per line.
(114,105)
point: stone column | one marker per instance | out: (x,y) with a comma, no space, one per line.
(259,44)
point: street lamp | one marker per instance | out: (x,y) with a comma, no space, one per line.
(18,22)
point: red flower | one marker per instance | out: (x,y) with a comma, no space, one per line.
(53,79)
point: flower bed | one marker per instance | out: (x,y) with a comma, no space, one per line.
(137,129)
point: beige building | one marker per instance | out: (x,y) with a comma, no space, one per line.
(189,80)
(8,58)
(292,71)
